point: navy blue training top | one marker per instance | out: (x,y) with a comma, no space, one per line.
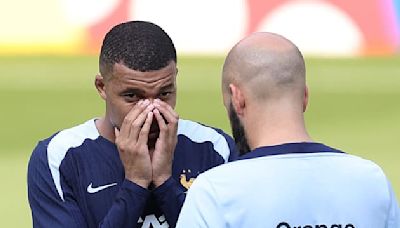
(76,179)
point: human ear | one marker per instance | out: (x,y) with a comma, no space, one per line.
(100,86)
(237,98)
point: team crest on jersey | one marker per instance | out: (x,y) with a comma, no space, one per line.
(185,179)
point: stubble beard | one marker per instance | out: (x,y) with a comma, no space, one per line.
(238,132)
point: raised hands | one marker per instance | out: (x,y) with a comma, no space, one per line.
(163,154)
(143,164)
(132,140)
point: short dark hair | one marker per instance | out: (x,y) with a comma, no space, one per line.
(139,45)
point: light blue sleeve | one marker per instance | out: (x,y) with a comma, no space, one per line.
(394,212)
(201,207)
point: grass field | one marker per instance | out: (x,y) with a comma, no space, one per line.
(354,106)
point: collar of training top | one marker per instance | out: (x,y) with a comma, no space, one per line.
(289,148)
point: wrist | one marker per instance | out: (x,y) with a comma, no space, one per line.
(160,180)
(141,182)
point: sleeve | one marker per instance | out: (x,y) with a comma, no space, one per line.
(234,152)
(201,208)
(394,213)
(48,209)
(127,207)
(170,197)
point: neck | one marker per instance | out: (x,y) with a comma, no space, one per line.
(274,128)
(105,128)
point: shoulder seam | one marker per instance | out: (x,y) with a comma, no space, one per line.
(199,133)
(62,142)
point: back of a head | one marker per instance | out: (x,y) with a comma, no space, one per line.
(139,45)
(267,65)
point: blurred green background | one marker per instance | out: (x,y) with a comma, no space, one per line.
(354,106)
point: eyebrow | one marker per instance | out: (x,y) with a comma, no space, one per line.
(133,90)
(167,87)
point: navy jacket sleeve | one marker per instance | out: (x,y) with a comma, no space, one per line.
(128,206)
(50,210)
(170,197)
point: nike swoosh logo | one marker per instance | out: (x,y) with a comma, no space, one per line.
(90,189)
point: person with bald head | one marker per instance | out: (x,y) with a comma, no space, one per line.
(283,178)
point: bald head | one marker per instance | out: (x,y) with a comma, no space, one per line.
(266,65)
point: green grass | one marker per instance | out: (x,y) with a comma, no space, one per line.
(354,106)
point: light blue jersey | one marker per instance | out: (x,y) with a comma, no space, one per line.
(296,185)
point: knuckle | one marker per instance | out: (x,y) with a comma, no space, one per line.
(174,121)
(122,148)
(127,120)
(136,124)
